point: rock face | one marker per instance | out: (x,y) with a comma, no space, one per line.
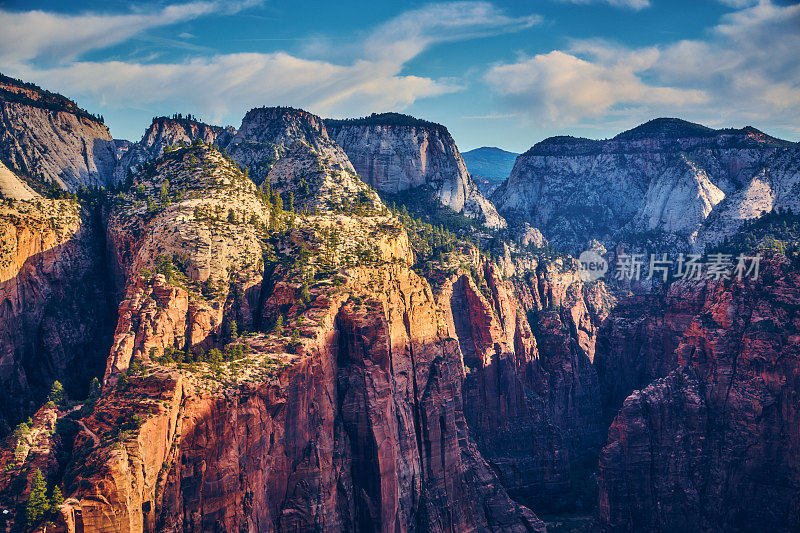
(395,153)
(712,446)
(164,132)
(666,176)
(46,136)
(775,186)
(531,394)
(355,422)
(55,316)
(14,188)
(267,133)
(637,344)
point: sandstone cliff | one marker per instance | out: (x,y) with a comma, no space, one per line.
(54,312)
(166,132)
(354,421)
(395,153)
(664,176)
(713,445)
(47,137)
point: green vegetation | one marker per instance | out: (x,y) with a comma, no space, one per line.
(56,393)
(384,119)
(277,328)
(778,231)
(46,99)
(170,355)
(441,232)
(39,505)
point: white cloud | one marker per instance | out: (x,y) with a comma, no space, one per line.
(405,36)
(226,85)
(51,37)
(629,4)
(745,71)
(566,88)
(229,83)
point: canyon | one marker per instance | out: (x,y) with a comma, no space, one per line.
(283,342)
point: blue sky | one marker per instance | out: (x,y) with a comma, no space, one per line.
(500,73)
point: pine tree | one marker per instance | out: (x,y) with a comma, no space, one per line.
(94,389)
(56,393)
(56,499)
(233,332)
(38,504)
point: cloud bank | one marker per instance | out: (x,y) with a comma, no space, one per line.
(748,69)
(228,84)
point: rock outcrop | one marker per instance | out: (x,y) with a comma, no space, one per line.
(48,137)
(776,186)
(354,421)
(267,133)
(664,176)
(713,446)
(395,153)
(166,132)
(12,187)
(55,313)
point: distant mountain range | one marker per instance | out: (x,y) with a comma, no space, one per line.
(667,183)
(489,166)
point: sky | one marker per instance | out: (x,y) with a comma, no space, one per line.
(502,73)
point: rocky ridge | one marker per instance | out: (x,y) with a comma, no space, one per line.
(359,417)
(395,153)
(47,137)
(667,176)
(164,133)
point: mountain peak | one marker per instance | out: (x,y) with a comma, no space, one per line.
(385,119)
(667,128)
(14,90)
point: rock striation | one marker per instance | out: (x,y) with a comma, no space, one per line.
(708,447)
(166,132)
(48,137)
(395,153)
(667,176)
